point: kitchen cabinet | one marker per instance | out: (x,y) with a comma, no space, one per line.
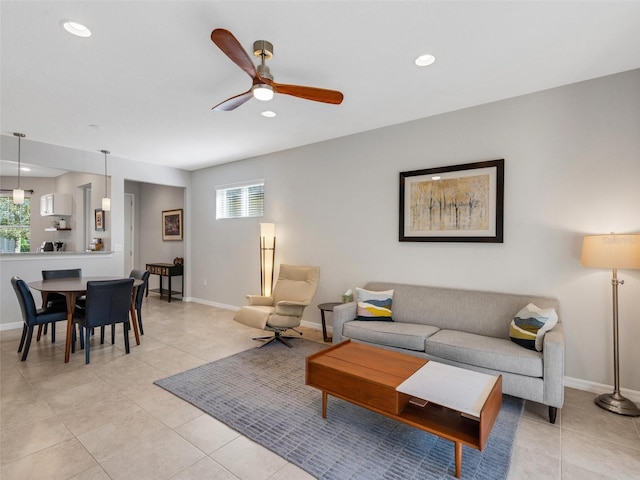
(56,204)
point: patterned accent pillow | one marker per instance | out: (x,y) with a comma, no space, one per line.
(530,324)
(374,305)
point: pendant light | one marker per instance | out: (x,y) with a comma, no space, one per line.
(106,201)
(18,193)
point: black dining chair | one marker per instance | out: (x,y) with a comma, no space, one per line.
(144,276)
(33,316)
(107,303)
(58,301)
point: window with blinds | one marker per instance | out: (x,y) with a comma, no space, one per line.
(240,201)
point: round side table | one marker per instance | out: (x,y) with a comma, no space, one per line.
(326,307)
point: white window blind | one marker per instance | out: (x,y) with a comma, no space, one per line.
(240,201)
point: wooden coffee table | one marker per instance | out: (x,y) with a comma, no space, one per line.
(368,376)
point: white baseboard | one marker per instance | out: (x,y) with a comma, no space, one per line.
(233,308)
(315,326)
(599,388)
(10,326)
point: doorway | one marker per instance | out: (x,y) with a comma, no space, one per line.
(129,232)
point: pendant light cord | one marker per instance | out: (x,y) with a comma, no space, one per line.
(20,137)
(106,152)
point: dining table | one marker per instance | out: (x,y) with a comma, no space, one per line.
(72,288)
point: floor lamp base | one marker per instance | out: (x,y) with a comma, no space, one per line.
(616,403)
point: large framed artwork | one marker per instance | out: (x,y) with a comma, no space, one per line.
(172,224)
(456,203)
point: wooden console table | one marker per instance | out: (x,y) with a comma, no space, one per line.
(166,270)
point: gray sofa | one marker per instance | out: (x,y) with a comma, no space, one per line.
(468,329)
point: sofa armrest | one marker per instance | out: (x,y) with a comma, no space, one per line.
(342,313)
(260,300)
(553,359)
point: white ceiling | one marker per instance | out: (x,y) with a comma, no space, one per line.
(149,74)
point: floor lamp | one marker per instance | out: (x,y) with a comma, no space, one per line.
(614,252)
(267,256)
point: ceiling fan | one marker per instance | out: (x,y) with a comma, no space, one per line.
(263,86)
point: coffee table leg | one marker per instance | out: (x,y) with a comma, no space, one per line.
(324,404)
(458,459)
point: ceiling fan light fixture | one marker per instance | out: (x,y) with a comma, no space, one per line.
(425,60)
(75,28)
(263,92)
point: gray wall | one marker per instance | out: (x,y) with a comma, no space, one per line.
(153,200)
(572,168)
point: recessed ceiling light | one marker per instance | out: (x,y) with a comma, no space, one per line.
(268,114)
(436,178)
(425,60)
(25,169)
(76,28)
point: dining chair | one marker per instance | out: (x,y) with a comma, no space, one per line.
(58,301)
(33,316)
(107,303)
(144,276)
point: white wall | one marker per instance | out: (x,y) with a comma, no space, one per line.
(572,167)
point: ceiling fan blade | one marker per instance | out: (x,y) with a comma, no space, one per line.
(309,93)
(234,102)
(231,47)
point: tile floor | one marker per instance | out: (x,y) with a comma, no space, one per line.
(107,420)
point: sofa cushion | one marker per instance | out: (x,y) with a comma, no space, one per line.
(374,305)
(530,324)
(401,335)
(494,353)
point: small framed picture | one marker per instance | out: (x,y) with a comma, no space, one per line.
(100,224)
(172,224)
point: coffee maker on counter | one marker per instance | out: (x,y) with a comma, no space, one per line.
(52,247)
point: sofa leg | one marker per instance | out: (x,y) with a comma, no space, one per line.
(553,411)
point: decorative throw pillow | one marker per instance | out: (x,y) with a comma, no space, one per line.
(530,324)
(374,305)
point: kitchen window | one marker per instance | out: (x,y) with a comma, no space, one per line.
(15,225)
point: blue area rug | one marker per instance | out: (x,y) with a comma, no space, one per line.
(261,393)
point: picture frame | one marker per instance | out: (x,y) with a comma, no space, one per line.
(100,220)
(455,203)
(172,225)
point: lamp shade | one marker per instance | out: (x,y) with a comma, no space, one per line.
(268,232)
(18,196)
(611,251)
